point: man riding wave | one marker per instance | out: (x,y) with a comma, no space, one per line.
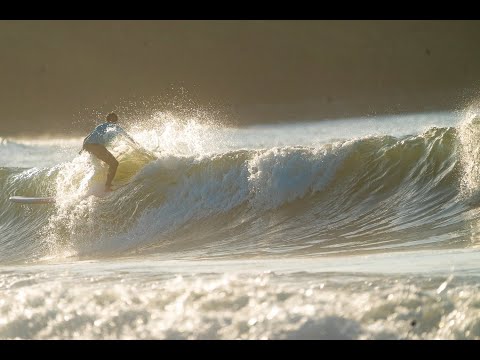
(97,141)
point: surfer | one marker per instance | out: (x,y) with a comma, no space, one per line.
(99,138)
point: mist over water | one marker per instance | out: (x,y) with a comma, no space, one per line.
(218,232)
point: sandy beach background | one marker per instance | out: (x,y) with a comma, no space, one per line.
(58,76)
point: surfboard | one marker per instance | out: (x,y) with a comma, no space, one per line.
(32,200)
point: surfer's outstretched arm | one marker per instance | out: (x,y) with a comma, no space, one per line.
(131,139)
(122,132)
(140,147)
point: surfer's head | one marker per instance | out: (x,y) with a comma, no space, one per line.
(112,117)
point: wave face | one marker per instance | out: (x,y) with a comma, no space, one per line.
(375,193)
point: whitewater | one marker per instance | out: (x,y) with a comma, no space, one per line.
(363,228)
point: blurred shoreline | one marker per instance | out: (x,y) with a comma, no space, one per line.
(239,116)
(63,76)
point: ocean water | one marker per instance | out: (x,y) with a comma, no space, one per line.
(364,228)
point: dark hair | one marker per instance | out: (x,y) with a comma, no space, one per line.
(112,117)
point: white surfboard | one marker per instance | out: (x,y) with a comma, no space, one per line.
(32,200)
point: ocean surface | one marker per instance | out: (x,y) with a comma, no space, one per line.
(365,228)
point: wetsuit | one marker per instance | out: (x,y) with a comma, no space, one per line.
(96,143)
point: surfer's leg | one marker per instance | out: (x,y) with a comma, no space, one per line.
(103,154)
(112,170)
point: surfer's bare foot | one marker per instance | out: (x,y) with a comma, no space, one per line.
(108,188)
